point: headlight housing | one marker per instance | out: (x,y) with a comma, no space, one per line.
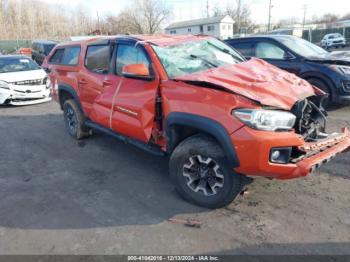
(267,120)
(4,85)
(345,70)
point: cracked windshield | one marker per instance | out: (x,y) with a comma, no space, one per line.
(196,56)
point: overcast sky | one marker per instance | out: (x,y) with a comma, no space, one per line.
(191,9)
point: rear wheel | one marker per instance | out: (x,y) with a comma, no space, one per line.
(74,120)
(324,87)
(202,174)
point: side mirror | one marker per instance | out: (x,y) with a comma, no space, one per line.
(139,71)
(288,56)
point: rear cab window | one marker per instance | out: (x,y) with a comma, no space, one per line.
(67,56)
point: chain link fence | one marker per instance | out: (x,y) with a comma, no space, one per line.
(316,35)
(12,46)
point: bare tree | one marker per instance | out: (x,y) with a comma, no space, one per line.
(240,12)
(147,16)
(31,19)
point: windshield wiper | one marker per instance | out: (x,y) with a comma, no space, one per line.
(224,50)
(204,60)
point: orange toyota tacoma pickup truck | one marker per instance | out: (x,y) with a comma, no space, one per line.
(220,118)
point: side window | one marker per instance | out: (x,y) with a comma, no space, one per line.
(210,28)
(246,49)
(66,56)
(71,56)
(97,59)
(41,48)
(128,55)
(56,58)
(266,50)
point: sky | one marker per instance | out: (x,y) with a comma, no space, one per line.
(192,9)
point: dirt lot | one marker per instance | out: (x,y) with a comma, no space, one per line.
(101,196)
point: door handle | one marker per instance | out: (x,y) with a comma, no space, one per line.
(107,83)
(82,82)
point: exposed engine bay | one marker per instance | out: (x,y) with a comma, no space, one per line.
(310,118)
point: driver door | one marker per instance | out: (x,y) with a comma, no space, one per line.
(277,56)
(134,99)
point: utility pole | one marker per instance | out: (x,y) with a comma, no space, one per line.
(239,7)
(270,10)
(207,8)
(304,18)
(98,23)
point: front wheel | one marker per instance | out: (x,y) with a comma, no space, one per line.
(202,174)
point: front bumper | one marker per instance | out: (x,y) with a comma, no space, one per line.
(253,149)
(17,98)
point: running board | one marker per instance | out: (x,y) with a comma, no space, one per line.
(152,149)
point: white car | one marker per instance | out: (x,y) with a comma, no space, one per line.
(333,40)
(22,81)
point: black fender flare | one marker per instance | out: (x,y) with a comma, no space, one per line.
(67,88)
(207,125)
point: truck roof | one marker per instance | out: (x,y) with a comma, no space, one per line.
(160,39)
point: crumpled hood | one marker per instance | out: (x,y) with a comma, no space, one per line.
(335,57)
(257,80)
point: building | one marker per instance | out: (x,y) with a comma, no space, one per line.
(342,23)
(218,26)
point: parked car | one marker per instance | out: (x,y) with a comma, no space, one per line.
(25,51)
(328,71)
(333,40)
(40,49)
(22,81)
(220,118)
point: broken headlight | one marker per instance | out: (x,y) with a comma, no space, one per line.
(4,85)
(267,120)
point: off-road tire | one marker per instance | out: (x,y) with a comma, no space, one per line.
(79,130)
(206,147)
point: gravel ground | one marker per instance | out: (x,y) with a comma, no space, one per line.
(101,196)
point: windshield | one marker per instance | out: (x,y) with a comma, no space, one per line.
(8,65)
(334,36)
(196,56)
(303,47)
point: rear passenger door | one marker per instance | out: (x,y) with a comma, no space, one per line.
(95,87)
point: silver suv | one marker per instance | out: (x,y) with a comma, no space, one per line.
(333,40)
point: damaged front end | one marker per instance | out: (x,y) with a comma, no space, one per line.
(293,153)
(318,147)
(25,92)
(311,118)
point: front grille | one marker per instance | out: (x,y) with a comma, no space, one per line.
(30,82)
(27,91)
(338,42)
